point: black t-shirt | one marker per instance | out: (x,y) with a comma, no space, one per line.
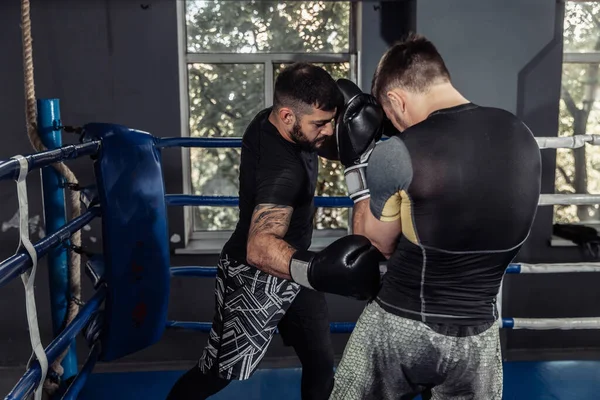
(276,171)
(465,185)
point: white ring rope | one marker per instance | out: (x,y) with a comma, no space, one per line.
(550,323)
(558,268)
(567,142)
(28,277)
(556,323)
(568,199)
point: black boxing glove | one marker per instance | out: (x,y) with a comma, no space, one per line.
(358,128)
(347,267)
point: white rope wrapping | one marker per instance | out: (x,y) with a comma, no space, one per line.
(569,199)
(569,142)
(556,323)
(558,268)
(28,277)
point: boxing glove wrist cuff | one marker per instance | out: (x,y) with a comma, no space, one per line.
(356,181)
(299,264)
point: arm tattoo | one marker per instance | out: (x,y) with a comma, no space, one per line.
(270,218)
(267,250)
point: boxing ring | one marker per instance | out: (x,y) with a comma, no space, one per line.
(128,310)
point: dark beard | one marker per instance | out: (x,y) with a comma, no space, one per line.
(301,140)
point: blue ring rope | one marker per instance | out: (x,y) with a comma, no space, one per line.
(10,169)
(210,143)
(78,383)
(232,201)
(14,266)
(335,327)
(33,374)
(211,272)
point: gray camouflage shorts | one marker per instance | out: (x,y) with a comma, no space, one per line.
(390,357)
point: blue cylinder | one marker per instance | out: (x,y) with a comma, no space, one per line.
(513,269)
(201,272)
(508,323)
(55,217)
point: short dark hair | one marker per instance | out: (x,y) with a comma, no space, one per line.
(413,64)
(302,85)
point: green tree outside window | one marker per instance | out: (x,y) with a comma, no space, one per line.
(578,170)
(224,97)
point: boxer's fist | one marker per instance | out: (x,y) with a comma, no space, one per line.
(358,128)
(347,267)
(359,124)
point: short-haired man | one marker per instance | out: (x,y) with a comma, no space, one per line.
(266,261)
(450,201)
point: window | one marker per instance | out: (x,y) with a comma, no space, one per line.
(578,170)
(233,53)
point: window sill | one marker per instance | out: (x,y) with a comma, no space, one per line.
(214,245)
(560,242)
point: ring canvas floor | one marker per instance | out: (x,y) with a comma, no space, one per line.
(556,380)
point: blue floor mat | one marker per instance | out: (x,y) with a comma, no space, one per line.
(553,380)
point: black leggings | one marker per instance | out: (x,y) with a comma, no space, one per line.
(305,327)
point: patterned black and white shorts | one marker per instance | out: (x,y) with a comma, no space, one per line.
(390,357)
(249,305)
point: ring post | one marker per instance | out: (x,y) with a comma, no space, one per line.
(53,194)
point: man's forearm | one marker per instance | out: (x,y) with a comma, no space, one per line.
(358,217)
(271,254)
(266,249)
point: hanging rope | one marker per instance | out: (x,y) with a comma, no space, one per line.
(65,172)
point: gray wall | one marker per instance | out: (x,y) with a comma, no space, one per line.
(114,61)
(380,25)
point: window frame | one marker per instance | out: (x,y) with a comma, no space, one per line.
(209,242)
(588,57)
(574,57)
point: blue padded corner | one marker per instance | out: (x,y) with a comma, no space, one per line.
(135,239)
